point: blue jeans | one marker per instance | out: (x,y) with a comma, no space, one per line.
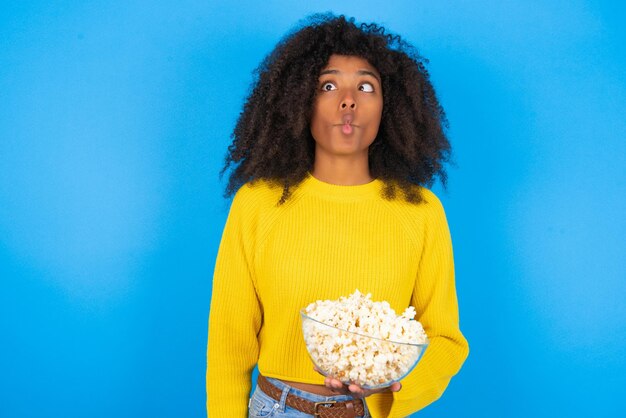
(262,406)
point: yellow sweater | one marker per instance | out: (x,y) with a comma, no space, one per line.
(323,243)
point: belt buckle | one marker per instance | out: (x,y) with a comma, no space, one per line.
(326,404)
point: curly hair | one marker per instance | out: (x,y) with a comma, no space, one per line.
(272,139)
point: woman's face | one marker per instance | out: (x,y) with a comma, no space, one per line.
(347,108)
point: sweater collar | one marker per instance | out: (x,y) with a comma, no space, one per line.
(319,187)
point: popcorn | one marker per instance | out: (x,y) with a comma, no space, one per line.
(355,339)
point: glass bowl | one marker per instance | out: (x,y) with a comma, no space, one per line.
(356,358)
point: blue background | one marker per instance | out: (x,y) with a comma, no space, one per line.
(114,121)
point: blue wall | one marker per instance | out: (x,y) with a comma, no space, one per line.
(114,120)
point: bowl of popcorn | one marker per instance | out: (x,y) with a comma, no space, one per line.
(357,340)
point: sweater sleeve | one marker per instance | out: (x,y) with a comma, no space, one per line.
(234,319)
(435,300)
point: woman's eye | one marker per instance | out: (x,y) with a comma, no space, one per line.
(366,87)
(328,86)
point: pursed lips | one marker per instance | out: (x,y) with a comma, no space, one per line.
(346,119)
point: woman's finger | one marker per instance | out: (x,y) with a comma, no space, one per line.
(395,387)
(357,390)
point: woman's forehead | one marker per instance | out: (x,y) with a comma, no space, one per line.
(349,63)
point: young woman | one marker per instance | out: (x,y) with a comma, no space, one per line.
(332,154)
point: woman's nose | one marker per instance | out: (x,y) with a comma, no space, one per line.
(348,102)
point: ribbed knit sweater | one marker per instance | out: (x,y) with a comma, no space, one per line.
(324,242)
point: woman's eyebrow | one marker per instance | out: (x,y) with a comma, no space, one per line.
(359,72)
(368,72)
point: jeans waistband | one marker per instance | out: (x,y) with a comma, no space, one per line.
(308,395)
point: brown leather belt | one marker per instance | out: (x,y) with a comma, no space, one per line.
(329,409)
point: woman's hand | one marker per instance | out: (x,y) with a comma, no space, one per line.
(356,390)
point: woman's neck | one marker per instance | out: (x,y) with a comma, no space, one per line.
(342,172)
